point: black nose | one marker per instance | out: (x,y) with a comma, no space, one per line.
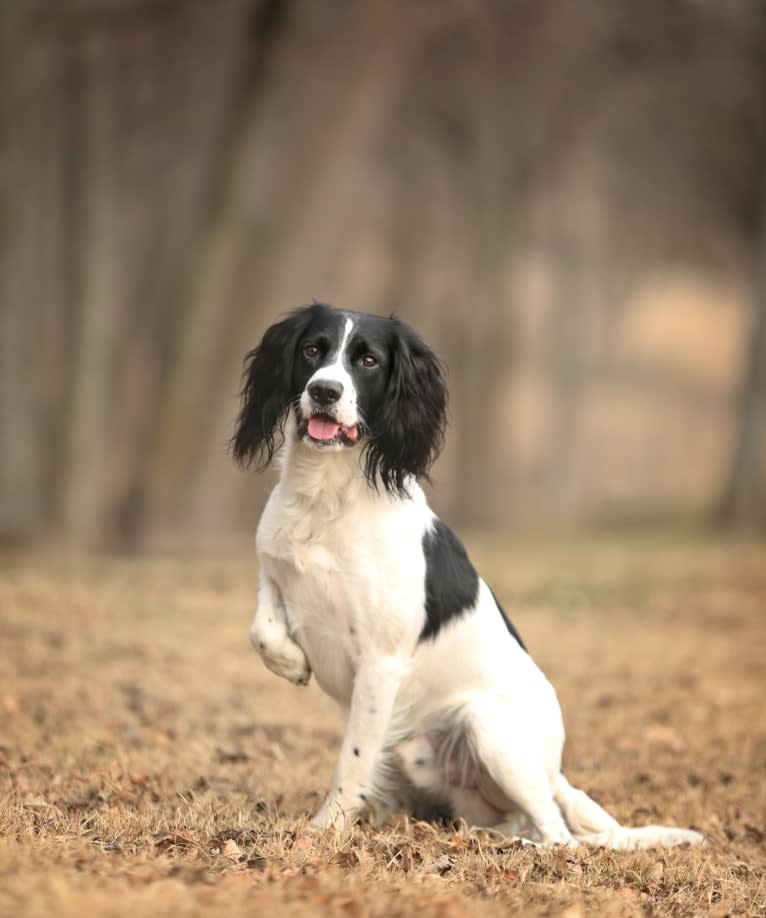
(325,392)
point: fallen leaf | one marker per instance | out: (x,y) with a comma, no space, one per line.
(21,781)
(35,800)
(655,873)
(232,851)
(232,756)
(304,843)
(114,770)
(10,704)
(309,883)
(345,859)
(441,865)
(173,840)
(661,735)
(627,744)
(566,865)
(256,862)
(575,868)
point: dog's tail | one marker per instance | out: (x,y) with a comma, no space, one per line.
(592,825)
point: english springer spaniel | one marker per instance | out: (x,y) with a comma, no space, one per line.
(361,584)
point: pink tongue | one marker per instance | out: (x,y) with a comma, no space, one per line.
(323,429)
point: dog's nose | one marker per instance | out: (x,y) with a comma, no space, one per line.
(326,392)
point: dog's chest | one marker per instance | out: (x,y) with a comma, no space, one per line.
(329,589)
(348,584)
(324,613)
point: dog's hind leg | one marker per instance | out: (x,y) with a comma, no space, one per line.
(452,766)
(516,769)
(430,778)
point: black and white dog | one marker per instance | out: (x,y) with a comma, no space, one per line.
(361,584)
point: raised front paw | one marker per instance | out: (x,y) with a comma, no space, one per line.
(296,671)
(283,657)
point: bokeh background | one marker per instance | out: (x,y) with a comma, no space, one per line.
(567,200)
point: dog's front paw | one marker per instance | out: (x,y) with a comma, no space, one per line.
(335,813)
(283,657)
(296,671)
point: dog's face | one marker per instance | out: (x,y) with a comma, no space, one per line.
(351,380)
(341,370)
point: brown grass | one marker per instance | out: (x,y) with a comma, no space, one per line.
(149,764)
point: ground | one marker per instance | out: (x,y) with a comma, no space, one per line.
(150,765)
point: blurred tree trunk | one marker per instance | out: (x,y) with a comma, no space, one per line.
(119,125)
(86,478)
(19,493)
(198,64)
(744,503)
(174,174)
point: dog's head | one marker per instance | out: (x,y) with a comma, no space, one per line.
(351,380)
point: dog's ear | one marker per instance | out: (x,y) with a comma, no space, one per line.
(408,433)
(266,393)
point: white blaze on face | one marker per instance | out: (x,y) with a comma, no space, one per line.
(344,410)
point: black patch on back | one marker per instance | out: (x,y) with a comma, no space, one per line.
(508,623)
(452,584)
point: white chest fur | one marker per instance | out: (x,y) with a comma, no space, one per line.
(347,564)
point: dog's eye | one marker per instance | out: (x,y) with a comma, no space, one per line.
(368,361)
(311,351)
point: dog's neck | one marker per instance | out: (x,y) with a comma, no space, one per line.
(320,488)
(326,484)
(315,479)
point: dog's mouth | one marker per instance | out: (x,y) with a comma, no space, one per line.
(325,430)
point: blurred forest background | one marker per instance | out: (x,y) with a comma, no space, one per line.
(568,199)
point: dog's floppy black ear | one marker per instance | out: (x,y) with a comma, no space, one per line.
(266,392)
(408,433)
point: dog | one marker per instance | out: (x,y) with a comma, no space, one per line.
(364,586)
